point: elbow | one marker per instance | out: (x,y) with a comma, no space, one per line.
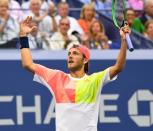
(26,66)
(119,69)
(29,66)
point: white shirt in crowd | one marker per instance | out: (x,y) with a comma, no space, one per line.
(11,30)
(57,41)
(74,26)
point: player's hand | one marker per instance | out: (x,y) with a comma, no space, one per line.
(26,28)
(123,30)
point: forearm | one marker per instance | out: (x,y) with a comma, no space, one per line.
(26,57)
(121,60)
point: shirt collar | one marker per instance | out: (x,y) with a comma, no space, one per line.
(74,78)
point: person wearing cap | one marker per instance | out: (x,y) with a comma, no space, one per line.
(77,95)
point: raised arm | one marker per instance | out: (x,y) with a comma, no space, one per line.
(26,58)
(121,59)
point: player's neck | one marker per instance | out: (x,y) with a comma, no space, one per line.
(77,74)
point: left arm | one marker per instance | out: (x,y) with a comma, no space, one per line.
(121,59)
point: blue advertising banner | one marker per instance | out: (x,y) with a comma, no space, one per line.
(126,104)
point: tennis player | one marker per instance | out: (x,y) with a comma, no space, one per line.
(77,95)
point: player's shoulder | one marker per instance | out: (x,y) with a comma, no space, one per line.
(99,73)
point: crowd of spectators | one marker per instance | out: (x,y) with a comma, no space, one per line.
(56,30)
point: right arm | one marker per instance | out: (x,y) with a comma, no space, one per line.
(27,61)
(26,57)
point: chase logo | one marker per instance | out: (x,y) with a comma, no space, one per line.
(133,110)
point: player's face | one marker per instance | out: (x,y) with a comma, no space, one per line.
(75,60)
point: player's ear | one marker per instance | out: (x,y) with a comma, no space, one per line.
(85,60)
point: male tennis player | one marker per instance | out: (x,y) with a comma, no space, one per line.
(77,95)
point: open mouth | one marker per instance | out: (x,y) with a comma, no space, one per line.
(71,61)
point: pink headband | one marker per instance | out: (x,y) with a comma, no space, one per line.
(84,50)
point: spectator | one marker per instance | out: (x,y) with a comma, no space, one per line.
(45,22)
(37,39)
(149,30)
(35,10)
(15,10)
(49,21)
(98,39)
(63,12)
(148,11)
(9,27)
(26,7)
(87,16)
(61,39)
(104,6)
(43,6)
(133,21)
